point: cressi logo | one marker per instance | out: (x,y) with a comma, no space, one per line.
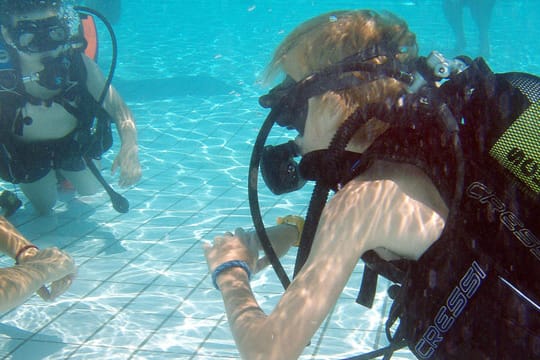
(507,218)
(447,314)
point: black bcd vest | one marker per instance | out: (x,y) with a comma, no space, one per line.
(474,294)
(27,162)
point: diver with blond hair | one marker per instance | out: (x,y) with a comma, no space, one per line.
(435,180)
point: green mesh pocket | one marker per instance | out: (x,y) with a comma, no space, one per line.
(518,149)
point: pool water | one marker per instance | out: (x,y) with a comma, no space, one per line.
(191,73)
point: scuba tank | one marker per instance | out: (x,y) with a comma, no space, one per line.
(80,35)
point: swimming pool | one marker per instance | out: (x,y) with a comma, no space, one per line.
(191,74)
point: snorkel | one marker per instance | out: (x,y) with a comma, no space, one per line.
(421,105)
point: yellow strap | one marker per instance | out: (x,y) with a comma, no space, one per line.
(518,149)
(294,220)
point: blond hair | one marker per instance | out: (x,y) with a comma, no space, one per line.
(331,37)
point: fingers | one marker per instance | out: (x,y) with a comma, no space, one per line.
(44,293)
(130,168)
(206,244)
(60,286)
(227,247)
(261,264)
(56,289)
(122,182)
(129,177)
(239,232)
(115,165)
(246,238)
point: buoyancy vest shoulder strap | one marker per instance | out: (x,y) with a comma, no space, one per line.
(94,131)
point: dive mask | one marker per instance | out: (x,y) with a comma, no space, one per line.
(293,109)
(35,36)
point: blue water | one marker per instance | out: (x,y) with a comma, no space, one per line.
(191,73)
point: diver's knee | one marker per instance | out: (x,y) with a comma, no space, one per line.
(41,193)
(43,204)
(84,181)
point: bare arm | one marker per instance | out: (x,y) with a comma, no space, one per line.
(128,157)
(35,269)
(12,241)
(357,219)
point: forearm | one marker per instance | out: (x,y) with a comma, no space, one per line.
(125,124)
(246,319)
(257,335)
(113,104)
(17,284)
(123,118)
(11,241)
(254,332)
(281,335)
(282,237)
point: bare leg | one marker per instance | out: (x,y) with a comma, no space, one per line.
(84,181)
(42,193)
(481,11)
(453,11)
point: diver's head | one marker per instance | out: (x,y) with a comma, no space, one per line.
(12,8)
(327,40)
(38,26)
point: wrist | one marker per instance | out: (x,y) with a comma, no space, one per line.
(228,267)
(296,221)
(25,252)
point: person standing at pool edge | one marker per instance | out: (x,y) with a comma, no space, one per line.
(481,11)
(56,83)
(396,195)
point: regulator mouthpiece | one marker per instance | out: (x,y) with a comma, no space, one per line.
(279,170)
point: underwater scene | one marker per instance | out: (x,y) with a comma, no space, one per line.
(191,74)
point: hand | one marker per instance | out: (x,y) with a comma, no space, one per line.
(240,246)
(56,288)
(128,162)
(57,268)
(282,237)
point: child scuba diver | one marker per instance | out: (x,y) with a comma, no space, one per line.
(49,105)
(436,172)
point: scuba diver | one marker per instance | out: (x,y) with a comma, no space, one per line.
(56,106)
(435,168)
